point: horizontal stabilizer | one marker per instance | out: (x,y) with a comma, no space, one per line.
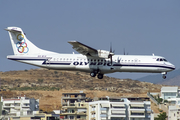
(13,30)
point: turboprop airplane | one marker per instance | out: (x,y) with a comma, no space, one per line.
(95,62)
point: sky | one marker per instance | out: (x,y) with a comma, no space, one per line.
(140,27)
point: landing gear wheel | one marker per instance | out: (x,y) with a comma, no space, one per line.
(100,76)
(164,76)
(92,74)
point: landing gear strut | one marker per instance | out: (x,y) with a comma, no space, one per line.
(164,75)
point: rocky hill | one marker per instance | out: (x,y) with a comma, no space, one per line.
(41,79)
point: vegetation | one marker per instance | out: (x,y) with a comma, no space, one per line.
(158,99)
(43,88)
(161,116)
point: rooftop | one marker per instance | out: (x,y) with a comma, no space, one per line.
(169,89)
(73,94)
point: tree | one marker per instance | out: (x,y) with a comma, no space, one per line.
(40,81)
(161,116)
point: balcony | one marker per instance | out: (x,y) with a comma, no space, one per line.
(103,112)
(119,113)
(81,113)
(79,97)
(25,106)
(69,113)
(80,119)
(25,101)
(137,114)
(17,107)
(8,106)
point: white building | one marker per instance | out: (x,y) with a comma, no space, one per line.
(120,109)
(20,106)
(169,92)
(174,112)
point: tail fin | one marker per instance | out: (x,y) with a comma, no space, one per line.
(20,44)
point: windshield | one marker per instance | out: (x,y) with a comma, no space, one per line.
(161,59)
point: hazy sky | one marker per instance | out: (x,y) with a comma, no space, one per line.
(141,27)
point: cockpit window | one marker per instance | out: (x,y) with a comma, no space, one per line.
(161,59)
(165,60)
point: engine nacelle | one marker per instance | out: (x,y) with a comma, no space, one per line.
(103,54)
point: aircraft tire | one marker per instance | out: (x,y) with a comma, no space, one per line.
(164,76)
(92,74)
(100,76)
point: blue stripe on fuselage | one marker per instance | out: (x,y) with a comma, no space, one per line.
(68,63)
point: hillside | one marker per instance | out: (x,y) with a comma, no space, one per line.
(46,79)
(48,86)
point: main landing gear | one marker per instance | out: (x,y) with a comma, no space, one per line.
(93,74)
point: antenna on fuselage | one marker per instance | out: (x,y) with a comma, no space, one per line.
(125,52)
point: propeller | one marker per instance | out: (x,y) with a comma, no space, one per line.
(111,53)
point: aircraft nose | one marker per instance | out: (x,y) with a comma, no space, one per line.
(173,66)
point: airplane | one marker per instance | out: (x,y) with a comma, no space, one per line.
(96,62)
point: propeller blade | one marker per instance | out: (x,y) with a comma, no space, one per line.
(111,47)
(111,53)
(111,60)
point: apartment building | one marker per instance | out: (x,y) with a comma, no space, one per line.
(120,109)
(169,92)
(74,106)
(20,106)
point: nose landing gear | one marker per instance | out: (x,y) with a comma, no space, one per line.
(164,75)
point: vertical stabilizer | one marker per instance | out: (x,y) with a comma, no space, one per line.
(20,44)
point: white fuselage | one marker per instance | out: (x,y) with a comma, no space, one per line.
(121,63)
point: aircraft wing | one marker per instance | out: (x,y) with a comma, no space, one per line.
(83,49)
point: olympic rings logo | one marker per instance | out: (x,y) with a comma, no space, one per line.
(21,45)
